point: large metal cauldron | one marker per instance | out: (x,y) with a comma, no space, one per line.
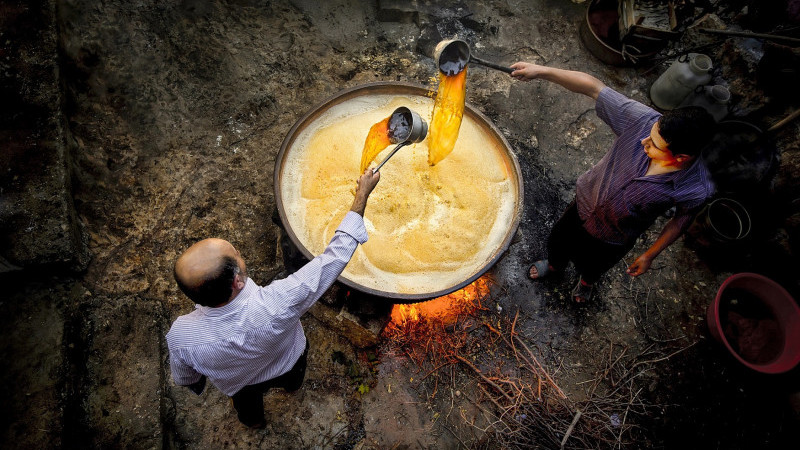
(286,170)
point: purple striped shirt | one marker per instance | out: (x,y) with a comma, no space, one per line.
(258,335)
(615,199)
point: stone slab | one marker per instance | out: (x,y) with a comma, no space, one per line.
(32,351)
(38,224)
(121,385)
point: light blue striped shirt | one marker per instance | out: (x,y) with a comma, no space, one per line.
(258,335)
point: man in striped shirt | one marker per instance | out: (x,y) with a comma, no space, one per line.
(245,338)
(652,166)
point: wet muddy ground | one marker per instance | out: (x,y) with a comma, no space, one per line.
(176,112)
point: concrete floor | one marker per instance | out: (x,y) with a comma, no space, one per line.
(176,112)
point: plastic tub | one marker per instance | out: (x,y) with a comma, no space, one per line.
(773,318)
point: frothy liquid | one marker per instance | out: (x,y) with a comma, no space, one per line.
(447,112)
(429,227)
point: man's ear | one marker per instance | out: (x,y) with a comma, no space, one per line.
(238,282)
(683,158)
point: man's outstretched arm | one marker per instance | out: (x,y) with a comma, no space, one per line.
(579,82)
(671,231)
(364,186)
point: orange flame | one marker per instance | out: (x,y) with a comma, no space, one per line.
(446,308)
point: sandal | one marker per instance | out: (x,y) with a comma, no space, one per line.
(542,269)
(582,293)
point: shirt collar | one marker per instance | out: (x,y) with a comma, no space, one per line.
(231,306)
(682,174)
(677,177)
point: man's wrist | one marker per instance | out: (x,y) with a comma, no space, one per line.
(359,205)
(647,257)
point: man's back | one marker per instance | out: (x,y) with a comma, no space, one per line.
(249,340)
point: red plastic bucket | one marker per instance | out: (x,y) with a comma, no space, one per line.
(757,321)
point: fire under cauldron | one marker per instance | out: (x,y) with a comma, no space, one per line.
(433,229)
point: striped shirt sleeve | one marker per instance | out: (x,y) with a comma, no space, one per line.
(182,373)
(621,112)
(685,217)
(300,290)
(685,212)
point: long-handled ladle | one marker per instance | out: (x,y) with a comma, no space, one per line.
(453,55)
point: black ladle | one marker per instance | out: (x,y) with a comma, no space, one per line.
(453,55)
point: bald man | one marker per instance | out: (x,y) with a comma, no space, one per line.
(245,338)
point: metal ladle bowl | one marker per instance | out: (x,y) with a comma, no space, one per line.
(453,55)
(405,127)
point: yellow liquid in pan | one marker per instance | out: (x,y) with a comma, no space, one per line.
(430,227)
(448,109)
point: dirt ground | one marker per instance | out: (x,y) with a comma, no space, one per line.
(176,112)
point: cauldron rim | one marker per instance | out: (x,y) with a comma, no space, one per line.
(396,88)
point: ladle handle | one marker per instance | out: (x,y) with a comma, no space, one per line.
(390,155)
(795,114)
(491,64)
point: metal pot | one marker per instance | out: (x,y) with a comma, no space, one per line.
(511,166)
(605,44)
(742,158)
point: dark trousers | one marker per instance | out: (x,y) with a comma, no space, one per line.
(249,401)
(569,241)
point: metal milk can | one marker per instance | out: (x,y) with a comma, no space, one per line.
(713,99)
(681,78)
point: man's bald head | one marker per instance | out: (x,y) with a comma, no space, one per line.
(207,272)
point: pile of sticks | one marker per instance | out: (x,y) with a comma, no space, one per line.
(521,404)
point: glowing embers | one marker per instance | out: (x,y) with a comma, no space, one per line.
(448,110)
(445,309)
(377,140)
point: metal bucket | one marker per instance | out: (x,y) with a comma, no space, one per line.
(726,221)
(398,89)
(604,43)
